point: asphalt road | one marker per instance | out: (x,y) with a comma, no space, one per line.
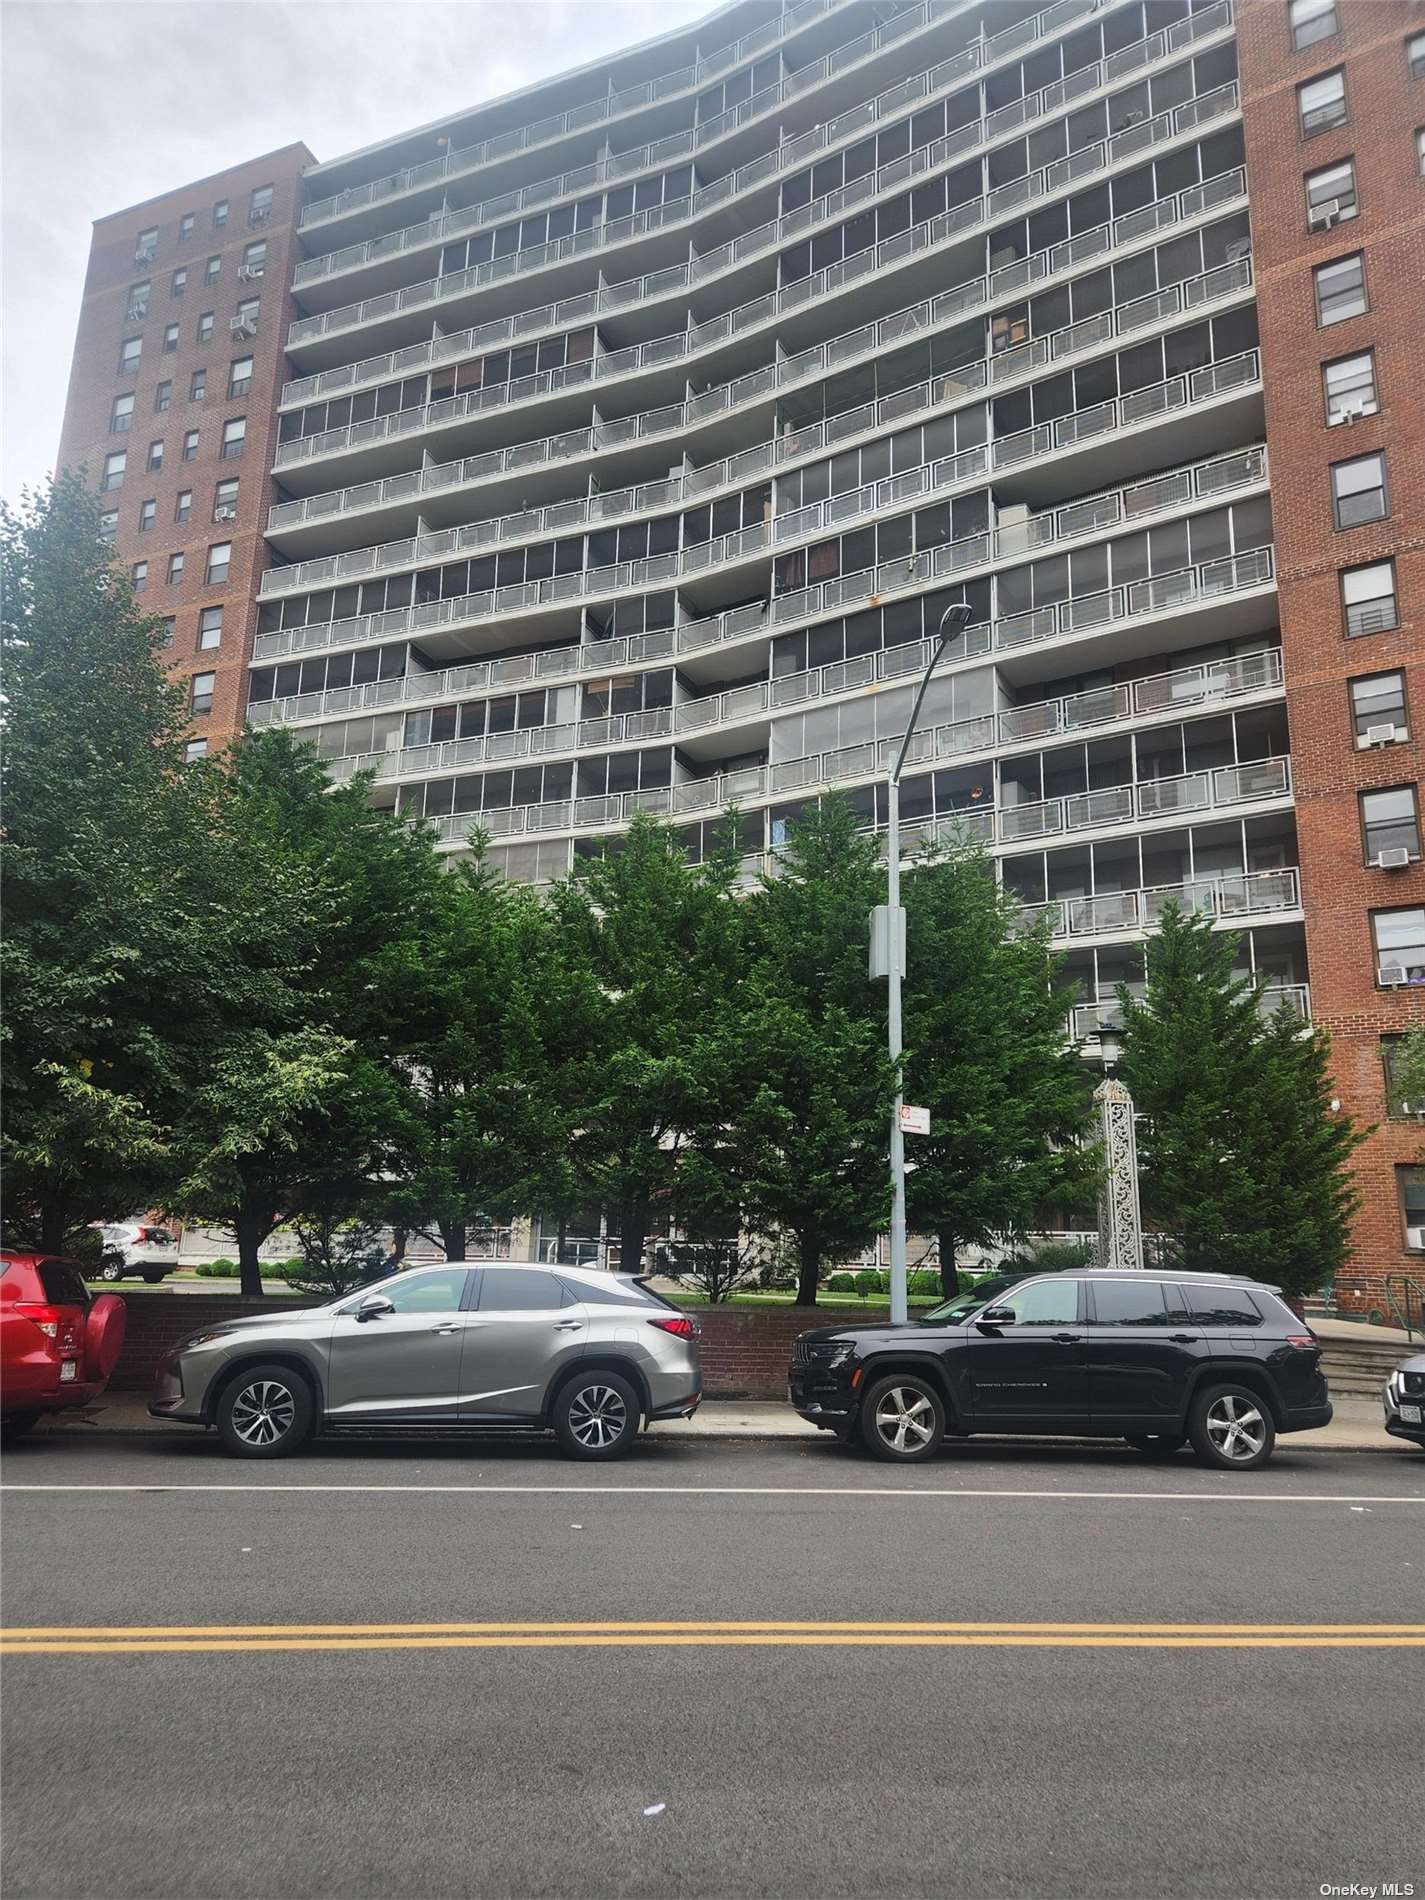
(1155,1703)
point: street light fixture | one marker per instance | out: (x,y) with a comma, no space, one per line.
(954,620)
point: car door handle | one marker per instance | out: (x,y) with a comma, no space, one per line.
(1185,1339)
(1067,1339)
(446,1326)
(567,1325)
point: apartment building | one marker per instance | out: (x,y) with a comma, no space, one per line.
(629,437)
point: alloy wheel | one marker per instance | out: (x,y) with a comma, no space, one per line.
(1236,1427)
(263,1412)
(597,1416)
(905,1419)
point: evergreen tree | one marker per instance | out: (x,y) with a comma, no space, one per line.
(1239,1152)
(987,1054)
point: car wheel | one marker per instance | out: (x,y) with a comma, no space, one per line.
(902,1418)
(265,1412)
(153,1279)
(14,1425)
(1231,1427)
(111,1270)
(596,1416)
(1156,1444)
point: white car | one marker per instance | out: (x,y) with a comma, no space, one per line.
(133,1246)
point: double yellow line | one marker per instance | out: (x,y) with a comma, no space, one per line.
(207,1639)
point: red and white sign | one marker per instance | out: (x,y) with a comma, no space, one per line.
(914,1121)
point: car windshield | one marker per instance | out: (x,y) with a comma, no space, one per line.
(963,1304)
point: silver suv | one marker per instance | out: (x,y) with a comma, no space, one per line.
(580,1352)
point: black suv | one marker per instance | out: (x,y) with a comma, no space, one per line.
(1152,1358)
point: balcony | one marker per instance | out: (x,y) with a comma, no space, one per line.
(767,168)
(1088,1019)
(1229,900)
(678,280)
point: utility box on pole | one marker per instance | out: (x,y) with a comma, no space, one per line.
(881,940)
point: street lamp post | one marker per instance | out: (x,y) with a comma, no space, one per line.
(953,620)
(1120,1221)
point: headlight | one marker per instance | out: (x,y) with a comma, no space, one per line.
(201,1339)
(838,1355)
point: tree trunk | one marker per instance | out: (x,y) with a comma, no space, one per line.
(251,1230)
(399,1238)
(452,1238)
(54,1225)
(949,1272)
(633,1233)
(809,1266)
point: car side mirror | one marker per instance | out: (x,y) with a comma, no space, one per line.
(996,1316)
(374,1306)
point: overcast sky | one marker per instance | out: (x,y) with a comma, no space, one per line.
(108,102)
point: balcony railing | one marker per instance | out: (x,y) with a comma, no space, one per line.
(1089,1019)
(698,270)
(1013,39)
(897,101)
(1224,899)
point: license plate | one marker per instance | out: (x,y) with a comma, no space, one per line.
(1410,1414)
(69,1371)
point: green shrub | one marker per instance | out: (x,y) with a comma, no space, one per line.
(868,1281)
(217,1270)
(841,1283)
(924,1282)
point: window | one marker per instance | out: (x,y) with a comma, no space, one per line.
(121,416)
(139,574)
(1415,55)
(190,445)
(254,258)
(1390,822)
(205,327)
(175,568)
(520,1290)
(1221,1306)
(1368,598)
(440,1290)
(163,397)
(220,214)
(1135,1302)
(1043,1303)
(218,557)
(225,497)
(108,524)
(1378,703)
(198,385)
(170,338)
(1331,194)
(240,376)
(155,455)
(130,351)
(183,504)
(1312,20)
(259,205)
(1350,384)
(185,225)
(247,314)
(114,466)
(195,749)
(1412,1207)
(210,629)
(146,245)
(148,514)
(1400,946)
(201,700)
(138,302)
(1358,491)
(1321,103)
(234,435)
(178,283)
(167,627)
(213,269)
(1340,289)
(1420,150)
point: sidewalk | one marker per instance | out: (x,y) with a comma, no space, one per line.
(1356,1426)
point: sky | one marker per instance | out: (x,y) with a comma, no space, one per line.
(104,103)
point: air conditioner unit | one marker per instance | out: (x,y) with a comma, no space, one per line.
(1395,859)
(1392,975)
(249,273)
(1013,528)
(1415,1236)
(144,257)
(1387,734)
(1322,217)
(225,511)
(1353,411)
(259,217)
(242,326)
(199,395)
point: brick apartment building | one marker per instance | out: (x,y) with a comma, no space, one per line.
(616,446)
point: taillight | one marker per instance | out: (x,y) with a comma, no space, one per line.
(680,1325)
(53,1321)
(1301,1339)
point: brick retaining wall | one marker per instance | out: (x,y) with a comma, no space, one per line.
(744,1352)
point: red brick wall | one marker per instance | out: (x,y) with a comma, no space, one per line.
(95,381)
(1339,892)
(744,1353)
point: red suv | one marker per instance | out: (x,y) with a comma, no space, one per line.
(57,1345)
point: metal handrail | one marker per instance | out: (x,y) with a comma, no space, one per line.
(1407,1301)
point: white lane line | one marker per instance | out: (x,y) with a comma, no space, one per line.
(732,1491)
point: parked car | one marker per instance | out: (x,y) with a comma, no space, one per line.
(1160,1360)
(525,1348)
(133,1246)
(58,1344)
(1404,1398)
